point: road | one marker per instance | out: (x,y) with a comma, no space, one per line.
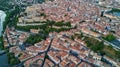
(21,64)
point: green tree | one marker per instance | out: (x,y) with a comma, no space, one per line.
(118,54)
(109,37)
(12,59)
(34,39)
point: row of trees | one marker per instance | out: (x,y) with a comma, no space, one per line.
(114,10)
(46,25)
(109,37)
(27,28)
(11,17)
(62,23)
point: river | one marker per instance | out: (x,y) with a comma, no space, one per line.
(2,18)
(4,61)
